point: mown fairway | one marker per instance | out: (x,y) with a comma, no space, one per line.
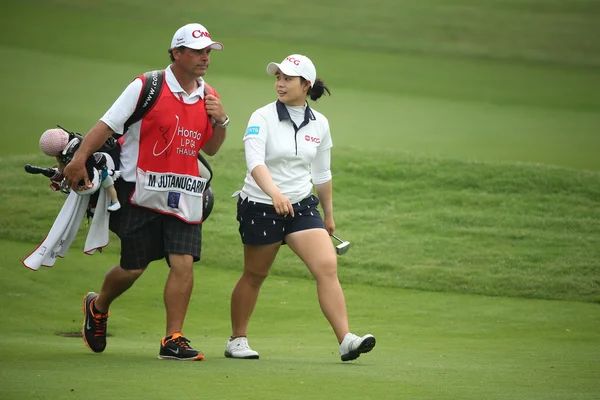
(466,175)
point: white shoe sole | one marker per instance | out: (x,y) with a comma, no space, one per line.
(250,357)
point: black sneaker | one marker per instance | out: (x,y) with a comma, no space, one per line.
(177,347)
(94,325)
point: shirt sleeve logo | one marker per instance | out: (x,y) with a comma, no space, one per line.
(252,130)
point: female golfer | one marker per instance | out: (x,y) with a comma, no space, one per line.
(286,144)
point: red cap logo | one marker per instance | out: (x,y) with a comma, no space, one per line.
(293,60)
(198,34)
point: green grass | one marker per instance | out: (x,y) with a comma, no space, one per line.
(414,222)
(465,166)
(430,345)
(450,105)
(538,31)
(499,126)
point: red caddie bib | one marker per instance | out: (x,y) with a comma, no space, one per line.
(168,179)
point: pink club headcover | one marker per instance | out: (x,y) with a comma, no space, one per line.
(53,141)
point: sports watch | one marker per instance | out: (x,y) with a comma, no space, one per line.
(224,124)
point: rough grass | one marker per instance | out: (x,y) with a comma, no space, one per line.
(500,229)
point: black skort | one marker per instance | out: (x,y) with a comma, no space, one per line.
(260,225)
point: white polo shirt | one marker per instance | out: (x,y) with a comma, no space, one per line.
(123,108)
(293,153)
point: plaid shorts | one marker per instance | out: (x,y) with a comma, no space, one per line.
(261,225)
(147,235)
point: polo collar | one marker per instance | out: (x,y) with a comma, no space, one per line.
(283,113)
(175,87)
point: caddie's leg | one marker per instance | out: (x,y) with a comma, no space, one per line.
(141,243)
(95,306)
(116,282)
(182,245)
(178,291)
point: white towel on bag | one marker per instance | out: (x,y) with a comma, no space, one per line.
(61,235)
(66,225)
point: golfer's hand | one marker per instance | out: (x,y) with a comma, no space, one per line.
(214,108)
(282,205)
(329,225)
(75,172)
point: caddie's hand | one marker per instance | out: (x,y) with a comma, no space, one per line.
(214,108)
(282,205)
(75,172)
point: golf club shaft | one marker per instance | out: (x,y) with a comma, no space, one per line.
(337,238)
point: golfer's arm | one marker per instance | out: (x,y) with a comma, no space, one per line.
(264,180)
(255,150)
(216,140)
(325,195)
(93,141)
(321,177)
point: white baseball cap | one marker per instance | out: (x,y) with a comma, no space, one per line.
(295,65)
(194,36)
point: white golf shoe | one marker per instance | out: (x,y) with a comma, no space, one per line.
(238,348)
(352,346)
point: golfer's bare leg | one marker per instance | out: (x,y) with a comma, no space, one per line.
(116,282)
(314,247)
(178,290)
(257,262)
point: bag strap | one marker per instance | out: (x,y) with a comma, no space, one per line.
(209,89)
(152,85)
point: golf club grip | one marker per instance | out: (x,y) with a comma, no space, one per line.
(47,172)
